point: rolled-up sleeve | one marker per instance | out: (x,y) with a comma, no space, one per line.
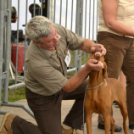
(74,41)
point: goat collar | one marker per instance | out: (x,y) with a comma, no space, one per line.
(97,86)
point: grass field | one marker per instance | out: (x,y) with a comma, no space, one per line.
(15,95)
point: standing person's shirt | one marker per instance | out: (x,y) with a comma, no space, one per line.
(125,15)
(46,70)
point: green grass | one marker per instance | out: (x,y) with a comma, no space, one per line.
(15,95)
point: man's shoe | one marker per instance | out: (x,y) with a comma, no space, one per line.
(6,124)
(69,131)
(131,126)
(117,128)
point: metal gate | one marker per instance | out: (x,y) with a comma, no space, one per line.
(80,16)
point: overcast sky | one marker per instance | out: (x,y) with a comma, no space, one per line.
(22,14)
(22,10)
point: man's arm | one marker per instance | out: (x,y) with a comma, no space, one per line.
(92,64)
(86,46)
(89,46)
(76,80)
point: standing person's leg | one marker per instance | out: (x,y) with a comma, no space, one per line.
(47,111)
(116,49)
(75,117)
(128,69)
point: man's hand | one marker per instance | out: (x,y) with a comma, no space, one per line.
(75,81)
(102,49)
(89,46)
(93,64)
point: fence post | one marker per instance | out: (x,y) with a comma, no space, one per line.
(79,23)
(1,43)
(51,10)
(8,50)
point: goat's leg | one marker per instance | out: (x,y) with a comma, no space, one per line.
(112,125)
(89,111)
(107,118)
(89,123)
(124,113)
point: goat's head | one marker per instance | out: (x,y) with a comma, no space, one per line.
(97,55)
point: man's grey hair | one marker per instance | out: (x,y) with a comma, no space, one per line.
(38,27)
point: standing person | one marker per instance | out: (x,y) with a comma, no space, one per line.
(46,82)
(116,33)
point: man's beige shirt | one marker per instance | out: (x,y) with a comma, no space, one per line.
(46,70)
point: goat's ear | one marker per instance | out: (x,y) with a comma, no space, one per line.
(105,70)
